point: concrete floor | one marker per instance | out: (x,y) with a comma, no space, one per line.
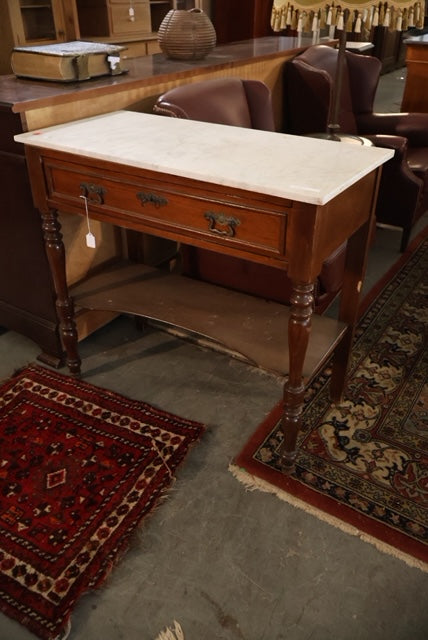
(226,563)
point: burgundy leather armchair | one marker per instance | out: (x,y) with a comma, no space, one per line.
(241,103)
(232,101)
(308,91)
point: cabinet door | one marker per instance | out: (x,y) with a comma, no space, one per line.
(34,21)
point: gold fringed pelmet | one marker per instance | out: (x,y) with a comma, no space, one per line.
(309,15)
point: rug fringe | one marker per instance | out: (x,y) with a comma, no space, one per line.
(65,632)
(171,633)
(253,483)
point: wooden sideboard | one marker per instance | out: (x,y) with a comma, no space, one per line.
(415,95)
(278,200)
(26,288)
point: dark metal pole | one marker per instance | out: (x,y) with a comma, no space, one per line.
(334,127)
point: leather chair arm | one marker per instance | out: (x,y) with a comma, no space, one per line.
(413,126)
(400,188)
(260,105)
(399,145)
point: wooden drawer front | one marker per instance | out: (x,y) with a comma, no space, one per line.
(134,49)
(120,22)
(145,204)
(153,47)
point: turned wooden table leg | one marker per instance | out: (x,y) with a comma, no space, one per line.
(64,303)
(299,328)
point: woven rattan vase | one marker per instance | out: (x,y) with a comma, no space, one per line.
(186,35)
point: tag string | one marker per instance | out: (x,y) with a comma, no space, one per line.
(87,213)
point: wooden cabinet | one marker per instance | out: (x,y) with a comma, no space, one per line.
(113,17)
(27,295)
(116,18)
(241,19)
(34,21)
(415,96)
(133,23)
(29,22)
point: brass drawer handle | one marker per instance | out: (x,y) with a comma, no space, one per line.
(151,198)
(93,192)
(230,223)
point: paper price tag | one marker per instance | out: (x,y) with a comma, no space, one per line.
(90,240)
(114,62)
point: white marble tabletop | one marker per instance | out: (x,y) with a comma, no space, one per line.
(298,168)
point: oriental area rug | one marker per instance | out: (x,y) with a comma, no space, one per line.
(80,467)
(363,465)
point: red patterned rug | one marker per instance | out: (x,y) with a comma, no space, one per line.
(79,468)
(363,465)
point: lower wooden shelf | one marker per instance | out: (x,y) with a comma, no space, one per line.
(250,327)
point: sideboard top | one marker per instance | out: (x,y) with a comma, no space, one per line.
(22,94)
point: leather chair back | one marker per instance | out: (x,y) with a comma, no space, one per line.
(231,101)
(309,95)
